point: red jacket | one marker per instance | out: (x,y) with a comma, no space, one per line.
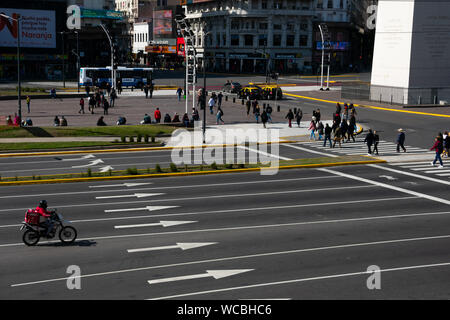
(437,147)
(157,114)
(43,212)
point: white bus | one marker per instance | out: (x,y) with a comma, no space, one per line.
(130,77)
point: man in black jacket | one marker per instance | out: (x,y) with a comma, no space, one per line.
(327,135)
(401,140)
(369,140)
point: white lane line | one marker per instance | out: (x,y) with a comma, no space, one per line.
(309,150)
(157,224)
(264,153)
(89,156)
(170,187)
(179,245)
(147,208)
(443,174)
(216,274)
(437,171)
(195,198)
(92,163)
(251,209)
(137,195)
(333,276)
(409,174)
(258,255)
(387,186)
(122,185)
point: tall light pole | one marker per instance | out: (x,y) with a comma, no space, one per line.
(113,85)
(78,63)
(323,57)
(63,63)
(19,87)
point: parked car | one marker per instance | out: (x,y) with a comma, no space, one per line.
(232,87)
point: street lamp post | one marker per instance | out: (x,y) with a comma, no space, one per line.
(113,85)
(323,57)
(78,63)
(19,86)
(63,63)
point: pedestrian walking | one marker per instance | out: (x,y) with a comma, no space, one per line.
(105,107)
(108,88)
(88,90)
(320,128)
(439,148)
(344,129)
(146,89)
(112,98)
(81,106)
(350,132)
(179,93)
(157,115)
(248,105)
(376,140)
(327,135)
(219,115)
(299,116)
(254,104)
(290,117)
(318,115)
(257,112)
(151,88)
(401,140)
(119,87)
(91,104)
(28,103)
(211,104)
(269,111)
(264,117)
(369,140)
(446,144)
(337,137)
(219,99)
(312,127)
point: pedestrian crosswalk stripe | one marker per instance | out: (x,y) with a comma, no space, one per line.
(359,147)
(426,167)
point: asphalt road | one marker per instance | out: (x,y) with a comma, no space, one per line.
(301,234)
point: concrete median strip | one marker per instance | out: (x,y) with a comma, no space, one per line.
(194,173)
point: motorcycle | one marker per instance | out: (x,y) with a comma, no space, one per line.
(34,231)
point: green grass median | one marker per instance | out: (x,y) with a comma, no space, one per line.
(41,146)
(116,131)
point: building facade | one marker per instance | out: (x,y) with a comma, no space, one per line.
(253,35)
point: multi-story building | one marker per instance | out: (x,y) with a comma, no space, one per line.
(346,22)
(253,35)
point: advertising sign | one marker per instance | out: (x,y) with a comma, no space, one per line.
(101,14)
(180,47)
(162,22)
(339,45)
(37,28)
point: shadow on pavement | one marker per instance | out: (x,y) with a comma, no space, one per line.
(38,132)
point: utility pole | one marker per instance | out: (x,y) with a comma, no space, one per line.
(63,62)
(78,63)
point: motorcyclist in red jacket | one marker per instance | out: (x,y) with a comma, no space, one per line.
(42,210)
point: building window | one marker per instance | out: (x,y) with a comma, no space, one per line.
(304,26)
(224,39)
(234,24)
(290,39)
(262,40)
(319,4)
(303,40)
(277,4)
(277,27)
(235,40)
(330,4)
(290,27)
(277,40)
(263,26)
(264,4)
(341,4)
(248,40)
(255,4)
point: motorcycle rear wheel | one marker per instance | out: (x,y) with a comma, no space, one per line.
(30,237)
(67,234)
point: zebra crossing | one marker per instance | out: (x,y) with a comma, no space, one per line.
(426,167)
(360,148)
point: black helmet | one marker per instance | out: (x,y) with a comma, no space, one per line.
(43,204)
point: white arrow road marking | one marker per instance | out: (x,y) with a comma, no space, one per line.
(388,177)
(89,156)
(106,169)
(180,245)
(149,208)
(216,274)
(161,223)
(92,163)
(137,195)
(121,185)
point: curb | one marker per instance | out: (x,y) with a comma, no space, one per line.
(50,153)
(194,173)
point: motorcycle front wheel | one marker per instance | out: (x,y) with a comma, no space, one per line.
(30,237)
(67,234)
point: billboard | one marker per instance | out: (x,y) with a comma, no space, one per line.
(162,22)
(37,28)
